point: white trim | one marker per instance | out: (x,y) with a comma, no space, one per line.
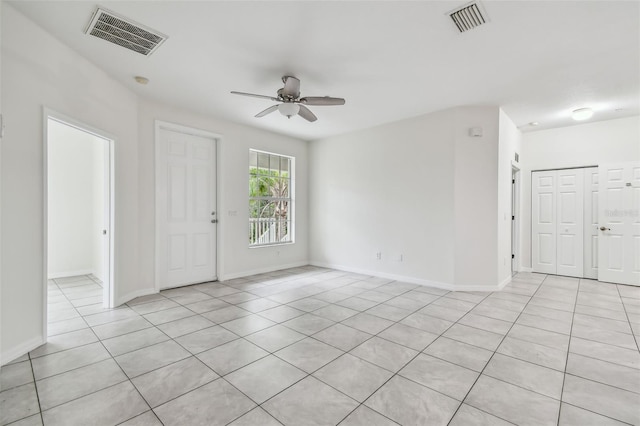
(262,270)
(517,213)
(70,273)
(110,290)
(525,269)
(21,349)
(292,198)
(138,293)
(413,280)
(217,139)
(504,283)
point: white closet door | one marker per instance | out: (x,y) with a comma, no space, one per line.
(619,217)
(591,223)
(570,220)
(543,221)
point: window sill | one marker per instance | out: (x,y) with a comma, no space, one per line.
(272,245)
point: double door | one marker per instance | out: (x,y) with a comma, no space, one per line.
(585,222)
(558,221)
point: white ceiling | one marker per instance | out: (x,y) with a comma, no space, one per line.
(391,60)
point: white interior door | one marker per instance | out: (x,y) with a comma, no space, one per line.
(543,221)
(185,208)
(591,223)
(619,219)
(570,219)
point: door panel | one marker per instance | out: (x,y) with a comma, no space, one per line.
(543,221)
(619,216)
(177,185)
(547,243)
(570,228)
(185,208)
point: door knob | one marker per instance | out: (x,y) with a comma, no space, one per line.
(602,228)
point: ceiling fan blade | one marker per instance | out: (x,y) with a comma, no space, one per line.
(307,114)
(291,86)
(253,95)
(267,111)
(321,100)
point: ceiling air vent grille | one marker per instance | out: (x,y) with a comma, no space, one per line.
(468,17)
(124,32)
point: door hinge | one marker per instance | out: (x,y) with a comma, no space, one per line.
(513,218)
(513,256)
(513,181)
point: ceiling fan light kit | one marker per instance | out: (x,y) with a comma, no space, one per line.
(288,109)
(290,101)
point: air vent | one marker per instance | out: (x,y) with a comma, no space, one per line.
(124,32)
(468,17)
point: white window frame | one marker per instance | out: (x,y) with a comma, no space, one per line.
(290,199)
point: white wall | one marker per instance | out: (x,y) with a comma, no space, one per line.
(420,188)
(510,143)
(37,71)
(476,197)
(75,201)
(575,146)
(236,258)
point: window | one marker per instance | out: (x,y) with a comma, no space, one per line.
(270,198)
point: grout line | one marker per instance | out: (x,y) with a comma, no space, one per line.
(494,352)
(395,374)
(635,338)
(291,279)
(594,412)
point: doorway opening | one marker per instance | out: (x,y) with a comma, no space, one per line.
(78,231)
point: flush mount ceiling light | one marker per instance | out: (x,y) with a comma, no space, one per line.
(141,80)
(534,124)
(288,109)
(582,114)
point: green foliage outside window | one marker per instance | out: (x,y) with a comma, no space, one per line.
(269,198)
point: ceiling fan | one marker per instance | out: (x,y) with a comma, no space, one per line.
(290,101)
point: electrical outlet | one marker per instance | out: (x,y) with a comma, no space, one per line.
(233,212)
(379,255)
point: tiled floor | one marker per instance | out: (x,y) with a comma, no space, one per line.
(311,346)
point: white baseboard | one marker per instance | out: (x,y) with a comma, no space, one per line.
(525,269)
(23,348)
(504,282)
(53,275)
(130,296)
(414,280)
(248,273)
